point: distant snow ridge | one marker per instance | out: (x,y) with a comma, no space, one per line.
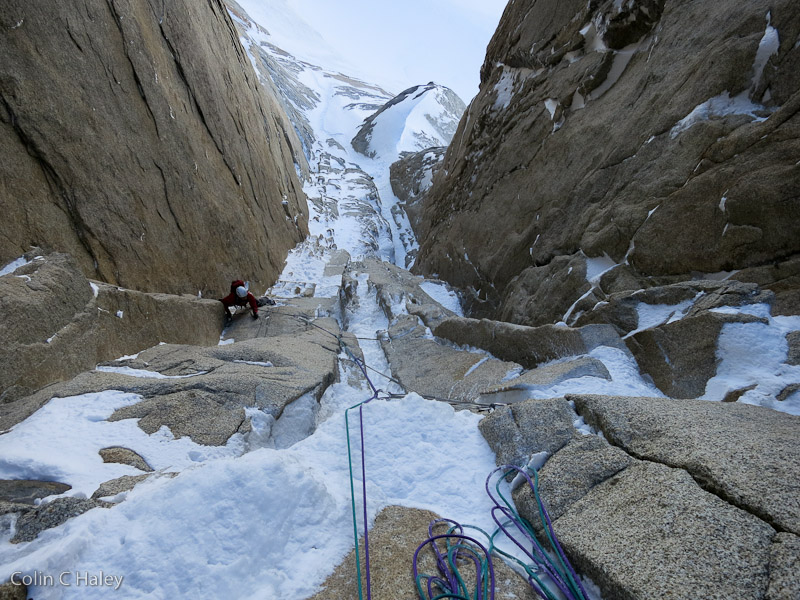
(419,118)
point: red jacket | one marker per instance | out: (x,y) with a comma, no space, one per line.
(233,300)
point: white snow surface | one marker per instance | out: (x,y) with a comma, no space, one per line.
(754,355)
(225,527)
(144,373)
(653,315)
(441,292)
(407,127)
(718,106)
(595,267)
(13,266)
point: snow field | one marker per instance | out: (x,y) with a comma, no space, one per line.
(266,524)
(60,442)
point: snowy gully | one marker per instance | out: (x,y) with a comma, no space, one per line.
(68,579)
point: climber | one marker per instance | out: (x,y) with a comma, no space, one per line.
(240,296)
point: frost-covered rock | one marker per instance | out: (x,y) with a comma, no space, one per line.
(419,118)
(657,134)
(412,177)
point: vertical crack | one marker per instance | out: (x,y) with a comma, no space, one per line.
(166,196)
(55,183)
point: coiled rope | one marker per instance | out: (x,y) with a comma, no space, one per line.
(450,583)
(543,571)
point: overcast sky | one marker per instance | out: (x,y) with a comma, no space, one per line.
(401,43)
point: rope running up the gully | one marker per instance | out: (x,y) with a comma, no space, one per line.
(486,585)
(305,319)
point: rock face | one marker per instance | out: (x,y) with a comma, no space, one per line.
(21,491)
(515,433)
(136,137)
(411,178)
(55,323)
(13,591)
(570,474)
(418,118)
(643,132)
(681,356)
(679,540)
(529,346)
(124,456)
(693,499)
(784,567)
(746,454)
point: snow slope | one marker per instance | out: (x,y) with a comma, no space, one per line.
(247,521)
(419,118)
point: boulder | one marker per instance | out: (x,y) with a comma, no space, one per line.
(787,392)
(118,485)
(398,292)
(23,491)
(432,369)
(528,346)
(125,150)
(397,533)
(784,568)
(202,392)
(570,474)
(747,455)
(203,416)
(13,591)
(515,433)
(651,532)
(124,456)
(208,405)
(55,513)
(782,278)
(543,156)
(55,323)
(554,373)
(793,340)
